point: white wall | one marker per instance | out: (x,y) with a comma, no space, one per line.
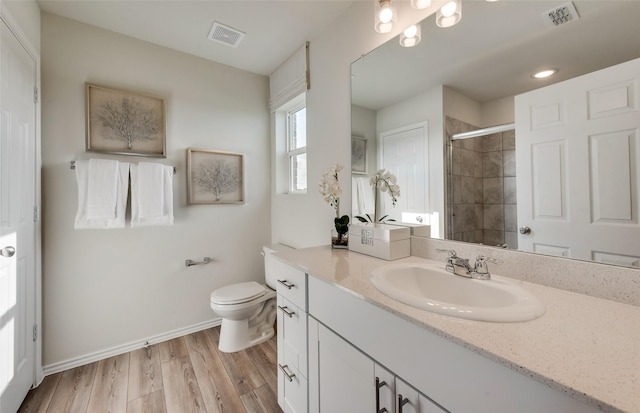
(461,107)
(27,14)
(306,220)
(498,112)
(482,115)
(108,288)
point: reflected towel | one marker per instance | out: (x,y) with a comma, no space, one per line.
(97,188)
(151,194)
(362,196)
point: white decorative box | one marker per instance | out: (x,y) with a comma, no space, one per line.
(417,230)
(388,242)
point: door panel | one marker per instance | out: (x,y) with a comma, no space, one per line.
(17,227)
(578,156)
(404,152)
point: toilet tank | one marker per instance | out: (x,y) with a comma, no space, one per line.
(270,272)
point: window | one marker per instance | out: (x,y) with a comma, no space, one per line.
(296,136)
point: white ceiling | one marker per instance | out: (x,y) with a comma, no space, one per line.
(274,28)
(488,55)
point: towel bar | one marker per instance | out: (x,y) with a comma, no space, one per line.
(72,165)
(189,263)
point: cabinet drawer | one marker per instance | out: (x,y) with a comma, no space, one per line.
(292,284)
(292,390)
(292,335)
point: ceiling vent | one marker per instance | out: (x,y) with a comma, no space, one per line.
(225,34)
(560,15)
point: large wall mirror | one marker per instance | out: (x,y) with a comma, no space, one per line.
(427,113)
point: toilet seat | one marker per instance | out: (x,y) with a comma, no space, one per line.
(238,293)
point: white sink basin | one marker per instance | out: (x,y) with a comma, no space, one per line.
(429,287)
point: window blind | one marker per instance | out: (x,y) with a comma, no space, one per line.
(290,79)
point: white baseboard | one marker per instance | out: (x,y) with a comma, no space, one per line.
(125,348)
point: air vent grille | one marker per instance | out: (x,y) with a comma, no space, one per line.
(225,35)
(560,15)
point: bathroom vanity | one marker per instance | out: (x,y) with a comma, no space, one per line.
(366,351)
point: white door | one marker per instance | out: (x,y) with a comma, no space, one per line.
(17,227)
(578,160)
(404,152)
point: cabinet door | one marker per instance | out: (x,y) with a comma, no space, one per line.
(409,400)
(292,390)
(292,336)
(346,376)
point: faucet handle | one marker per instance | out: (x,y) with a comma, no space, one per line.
(484,259)
(481,269)
(450,253)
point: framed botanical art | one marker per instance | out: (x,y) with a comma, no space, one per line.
(358,155)
(124,122)
(214,177)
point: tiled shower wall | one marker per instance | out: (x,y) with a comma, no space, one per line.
(482,191)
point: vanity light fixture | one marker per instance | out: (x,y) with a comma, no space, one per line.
(420,4)
(411,36)
(544,73)
(385,15)
(449,14)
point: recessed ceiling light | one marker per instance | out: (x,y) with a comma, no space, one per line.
(544,73)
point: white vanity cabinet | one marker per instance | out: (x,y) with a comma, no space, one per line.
(349,336)
(349,381)
(292,339)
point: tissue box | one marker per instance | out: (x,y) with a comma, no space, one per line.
(388,242)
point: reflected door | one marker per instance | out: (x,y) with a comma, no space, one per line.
(17,227)
(403,152)
(578,153)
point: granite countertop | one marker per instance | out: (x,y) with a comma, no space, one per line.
(586,347)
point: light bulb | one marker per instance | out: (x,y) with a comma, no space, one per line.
(449,14)
(449,9)
(410,36)
(411,31)
(386,15)
(420,4)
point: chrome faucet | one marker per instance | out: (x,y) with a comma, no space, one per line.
(460,266)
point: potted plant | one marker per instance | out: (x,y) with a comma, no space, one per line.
(329,187)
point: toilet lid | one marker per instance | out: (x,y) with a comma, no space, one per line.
(238,293)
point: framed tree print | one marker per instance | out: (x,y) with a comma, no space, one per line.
(214,177)
(124,122)
(358,155)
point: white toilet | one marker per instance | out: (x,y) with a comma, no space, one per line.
(248,310)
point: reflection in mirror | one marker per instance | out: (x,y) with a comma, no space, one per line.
(408,103)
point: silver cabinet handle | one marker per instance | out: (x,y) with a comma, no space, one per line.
(285,310)
(8,251)
(286,284)
(288,375)
(525,230)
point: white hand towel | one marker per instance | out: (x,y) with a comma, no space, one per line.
(151,194)
(102,189)
(83,220)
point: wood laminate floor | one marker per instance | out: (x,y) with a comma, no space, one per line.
(183,375)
